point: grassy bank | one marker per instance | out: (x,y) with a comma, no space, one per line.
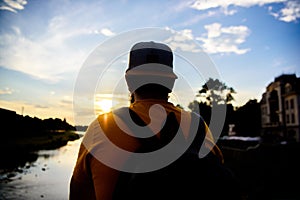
(16,151)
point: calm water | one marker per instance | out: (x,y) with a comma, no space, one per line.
(46,178)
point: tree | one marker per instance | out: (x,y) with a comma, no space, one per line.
(216,92)
(248,119)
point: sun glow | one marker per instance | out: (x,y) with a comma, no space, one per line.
(104,105)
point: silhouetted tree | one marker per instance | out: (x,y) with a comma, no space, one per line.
(216,92)
(248,119)
(57,124)
(26,125)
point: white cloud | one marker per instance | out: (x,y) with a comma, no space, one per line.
(224,4)
(183,35)
(226,11)
(183,40)
(7,8)
(290,13)
(207,4)
(106,32)
(220,39)
(13,5)
(213,30)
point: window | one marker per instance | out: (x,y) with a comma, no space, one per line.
(292,103)
(286,104)
(293,118)
(287,119)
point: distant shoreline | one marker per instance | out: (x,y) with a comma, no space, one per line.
(22,136)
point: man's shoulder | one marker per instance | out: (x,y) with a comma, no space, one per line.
(105,120)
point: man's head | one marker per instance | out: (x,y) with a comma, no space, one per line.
(150,70)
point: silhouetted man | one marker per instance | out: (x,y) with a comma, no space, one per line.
(99,171)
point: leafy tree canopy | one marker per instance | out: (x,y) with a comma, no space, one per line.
(215,92)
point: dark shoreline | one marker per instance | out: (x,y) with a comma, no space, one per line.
(16,152)
(266,171)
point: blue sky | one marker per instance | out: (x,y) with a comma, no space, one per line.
(44,45)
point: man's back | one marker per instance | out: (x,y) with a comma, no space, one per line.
(98,147)
(188,177)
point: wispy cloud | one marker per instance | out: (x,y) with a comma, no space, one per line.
(67,100)
(106,32)
(13,5)
(39,110)
(40,106)
(220,39)
(199,17)
(183,40)
(283,66)
(45,57)
(290,13)
(204,4)
(6,91)
(58,47)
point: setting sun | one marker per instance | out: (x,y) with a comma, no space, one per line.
(104,105)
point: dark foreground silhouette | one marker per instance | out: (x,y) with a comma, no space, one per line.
(269,171)
(22,136)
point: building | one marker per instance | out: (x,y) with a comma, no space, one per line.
(280,108)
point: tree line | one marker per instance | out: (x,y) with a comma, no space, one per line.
(245,120)
(18,125)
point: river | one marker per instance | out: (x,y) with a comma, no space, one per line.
(46,178)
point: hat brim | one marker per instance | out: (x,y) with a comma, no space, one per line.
(152,69)
(151,73)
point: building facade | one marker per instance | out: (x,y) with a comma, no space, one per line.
(280,108)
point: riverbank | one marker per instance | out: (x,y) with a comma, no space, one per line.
(16,151)
(46,178)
